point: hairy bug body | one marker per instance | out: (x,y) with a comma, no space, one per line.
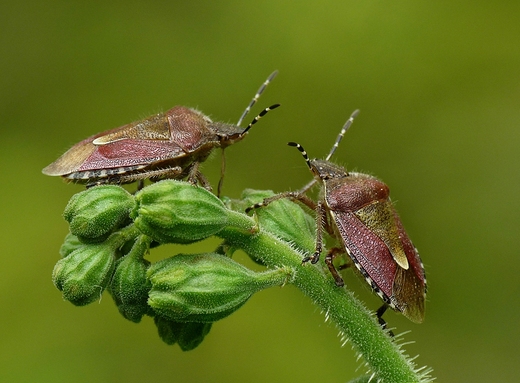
(356,209)
(166,145)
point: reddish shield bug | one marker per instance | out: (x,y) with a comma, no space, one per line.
(355,208)
(166,145)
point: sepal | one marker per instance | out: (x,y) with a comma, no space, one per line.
(188,334)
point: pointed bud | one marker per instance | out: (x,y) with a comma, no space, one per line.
(70,244)
(178,212)
(205,287)
(84,273)
(96,212)
(129,287)
(189,334)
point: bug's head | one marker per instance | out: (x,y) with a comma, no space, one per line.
(324,169)
(228,134)
(321,169)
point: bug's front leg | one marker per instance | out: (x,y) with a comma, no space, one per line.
(293,196)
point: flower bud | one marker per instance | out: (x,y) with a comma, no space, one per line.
(84,273)
(205,287)
(178,212)
(70,244)
(284,218)
(96,212)
(189,334)
(129,287)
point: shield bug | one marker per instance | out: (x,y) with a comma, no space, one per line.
(355,208)
(166,145)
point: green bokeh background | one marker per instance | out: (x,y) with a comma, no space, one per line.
(438,85)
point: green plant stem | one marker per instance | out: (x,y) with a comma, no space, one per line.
(126,234)
(380,352)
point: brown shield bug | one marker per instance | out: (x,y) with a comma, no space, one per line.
(166,145)
(355,208)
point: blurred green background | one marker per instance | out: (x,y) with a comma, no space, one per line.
(438,86)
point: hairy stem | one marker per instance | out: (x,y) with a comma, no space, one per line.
(380,352)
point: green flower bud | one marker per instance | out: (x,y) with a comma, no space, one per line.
(96,212)
(284,218)
(189,334)
(129,287)
(178,212)
(205,287)
(70,244)
(84,273)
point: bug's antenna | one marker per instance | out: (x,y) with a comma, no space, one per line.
(257,96)
(302,151)
(342,133)
(260,115)
(308,162)
(223,163)
(241,119)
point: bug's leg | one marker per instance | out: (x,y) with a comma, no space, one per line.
(293,196)
(379,313)
(308,186)
(348,263)
(204,182)
(196,177)
(92,184)
(222,172)
(193,171)
(168,173)
(140,185)
(267,201)
(154,175)
(321,216)
(302,198)
(331,254)
(101,181)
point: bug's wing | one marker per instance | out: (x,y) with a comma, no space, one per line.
(76,158)
(368,252)
(409,291)
(410,285)
(72,159)
(152,128)
(167,136)
(403,289)
(87,156)
(131,152)
(379,217)
(369,199)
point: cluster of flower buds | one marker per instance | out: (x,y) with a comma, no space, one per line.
(111,232)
